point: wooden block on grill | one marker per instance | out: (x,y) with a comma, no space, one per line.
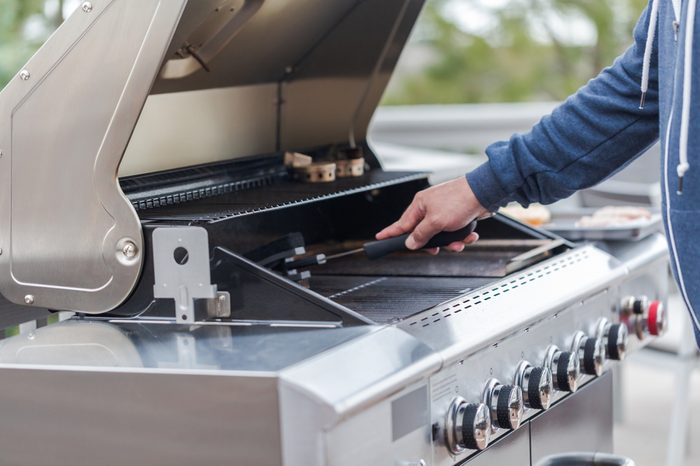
(323,172)
(297,160)
(350,168)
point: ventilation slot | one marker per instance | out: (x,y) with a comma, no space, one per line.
(497,290)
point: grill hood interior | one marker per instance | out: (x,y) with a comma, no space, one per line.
(281,75)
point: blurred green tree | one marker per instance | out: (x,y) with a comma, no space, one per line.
(521,56)
(16,45)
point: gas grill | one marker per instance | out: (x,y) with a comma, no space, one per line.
(170,293)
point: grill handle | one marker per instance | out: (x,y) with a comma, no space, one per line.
(586,459)
(377,249)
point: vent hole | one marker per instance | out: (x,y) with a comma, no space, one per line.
(181,256)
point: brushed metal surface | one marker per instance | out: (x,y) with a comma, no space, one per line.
(579,423)
(116,418)
(512,450)
(64,217)
(508,306)
(187,128)
(347,391)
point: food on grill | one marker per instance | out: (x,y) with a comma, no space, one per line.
(535,215)
(614,216)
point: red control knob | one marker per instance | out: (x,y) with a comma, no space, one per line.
(657,318)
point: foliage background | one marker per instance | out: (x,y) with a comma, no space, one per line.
(462,51)
(520,50)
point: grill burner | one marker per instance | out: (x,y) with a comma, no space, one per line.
(385,299)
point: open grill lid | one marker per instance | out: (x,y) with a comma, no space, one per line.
(126,79)
(247,77)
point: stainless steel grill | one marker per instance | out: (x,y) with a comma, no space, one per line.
(143,191)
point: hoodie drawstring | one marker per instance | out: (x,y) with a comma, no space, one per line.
(683,165)
(646,64)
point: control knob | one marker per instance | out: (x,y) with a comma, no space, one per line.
(644,316)
(590,352)
(505,403)
(614,338)
(468,426)
(657,318)
(632,305)
(536,385)
(565,368)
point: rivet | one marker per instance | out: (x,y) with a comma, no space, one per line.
(129,250)
(87,7)
(24,75)
(29,299)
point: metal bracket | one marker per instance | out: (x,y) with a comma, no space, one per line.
(181,268)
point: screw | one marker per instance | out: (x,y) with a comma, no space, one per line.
(87,7)
(24,75)
(129,250)
(29,299)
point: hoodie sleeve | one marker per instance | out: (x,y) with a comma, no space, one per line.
(593,134)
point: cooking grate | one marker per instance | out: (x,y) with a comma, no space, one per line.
(390,299)
(278,193)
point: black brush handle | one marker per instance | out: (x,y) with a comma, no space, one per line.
(377,249)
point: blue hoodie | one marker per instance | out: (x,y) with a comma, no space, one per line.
(604,126)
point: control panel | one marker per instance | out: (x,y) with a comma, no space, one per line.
(494,391)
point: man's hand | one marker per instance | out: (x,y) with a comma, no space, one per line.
(446,207)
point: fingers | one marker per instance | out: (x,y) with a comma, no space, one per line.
(425,230)
(471,239)
(433,251)
(410,218)
(459,246)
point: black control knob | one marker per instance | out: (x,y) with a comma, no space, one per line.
(468,426)
(536,384)
(505,403)
(615,337)
(565,367)
(634,305)
(475,426)
(590,352)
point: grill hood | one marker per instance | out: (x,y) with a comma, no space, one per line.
(248,77)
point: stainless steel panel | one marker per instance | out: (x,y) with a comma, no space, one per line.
(115,418)
(188,128)
(512,450)
(347,381)
(579,423)
(216,348)
(368,438)
(70,238)
(461,326)
(332,92)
